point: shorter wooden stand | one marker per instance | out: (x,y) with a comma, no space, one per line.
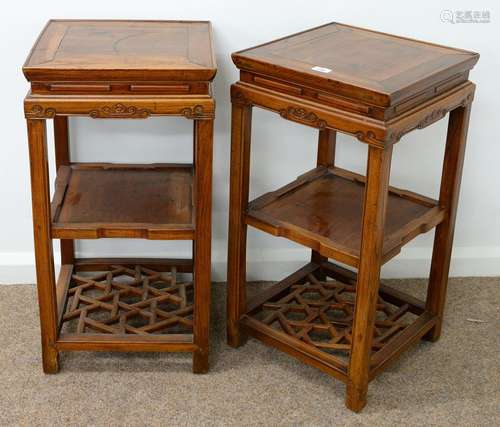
(375,87)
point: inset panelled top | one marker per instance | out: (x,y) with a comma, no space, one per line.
(93,50)
(377,68)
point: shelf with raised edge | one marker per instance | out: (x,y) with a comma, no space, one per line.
(323,209)
(96,200)
(126,305)
(312,319)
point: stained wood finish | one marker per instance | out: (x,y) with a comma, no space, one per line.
(151,343)
(92,50)
(312,320)
(370,260)
(160,264)
(323,210)
(119,106)
(62,288)
(448,199)
(371,131)
(107,200)
(325,157)
(300,309)
(326,148)
(202,242)
(122,70)
(43,244)
(375,68)
(392,296)
(63,158)
(241,126)
(375,87)
(321,312)
(126,300)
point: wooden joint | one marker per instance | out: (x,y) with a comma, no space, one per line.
(431,117)
(237,97)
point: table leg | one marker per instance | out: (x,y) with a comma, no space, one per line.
(241,122)
(202,241)
(40,195)
(377,182)
(448,199)
(63,158)
(326,157)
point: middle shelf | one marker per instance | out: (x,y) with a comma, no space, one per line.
(323,210)
(150,201)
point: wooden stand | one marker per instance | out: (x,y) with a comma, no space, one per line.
(121,70)
(350,327)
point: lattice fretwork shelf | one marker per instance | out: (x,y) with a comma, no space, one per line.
(313,310)
(129,301)
(320,313)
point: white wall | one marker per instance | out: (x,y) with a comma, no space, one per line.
(239,24)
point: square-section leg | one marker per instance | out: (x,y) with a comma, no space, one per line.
(63,158)
(376,190)
(241,122)
(326,157)
(202,241)
(43,244)
(448,199)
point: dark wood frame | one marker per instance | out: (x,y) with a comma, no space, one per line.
(380,134)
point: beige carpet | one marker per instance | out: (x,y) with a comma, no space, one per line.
(455,381)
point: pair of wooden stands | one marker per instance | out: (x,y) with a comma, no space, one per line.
(373,86)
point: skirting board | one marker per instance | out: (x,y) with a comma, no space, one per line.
(274,264)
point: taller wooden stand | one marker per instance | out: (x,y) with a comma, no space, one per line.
(122,70)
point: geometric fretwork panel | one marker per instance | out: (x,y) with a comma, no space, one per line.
(129,301)
(320,313)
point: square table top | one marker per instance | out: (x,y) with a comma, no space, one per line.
(97,50)
(377,68)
